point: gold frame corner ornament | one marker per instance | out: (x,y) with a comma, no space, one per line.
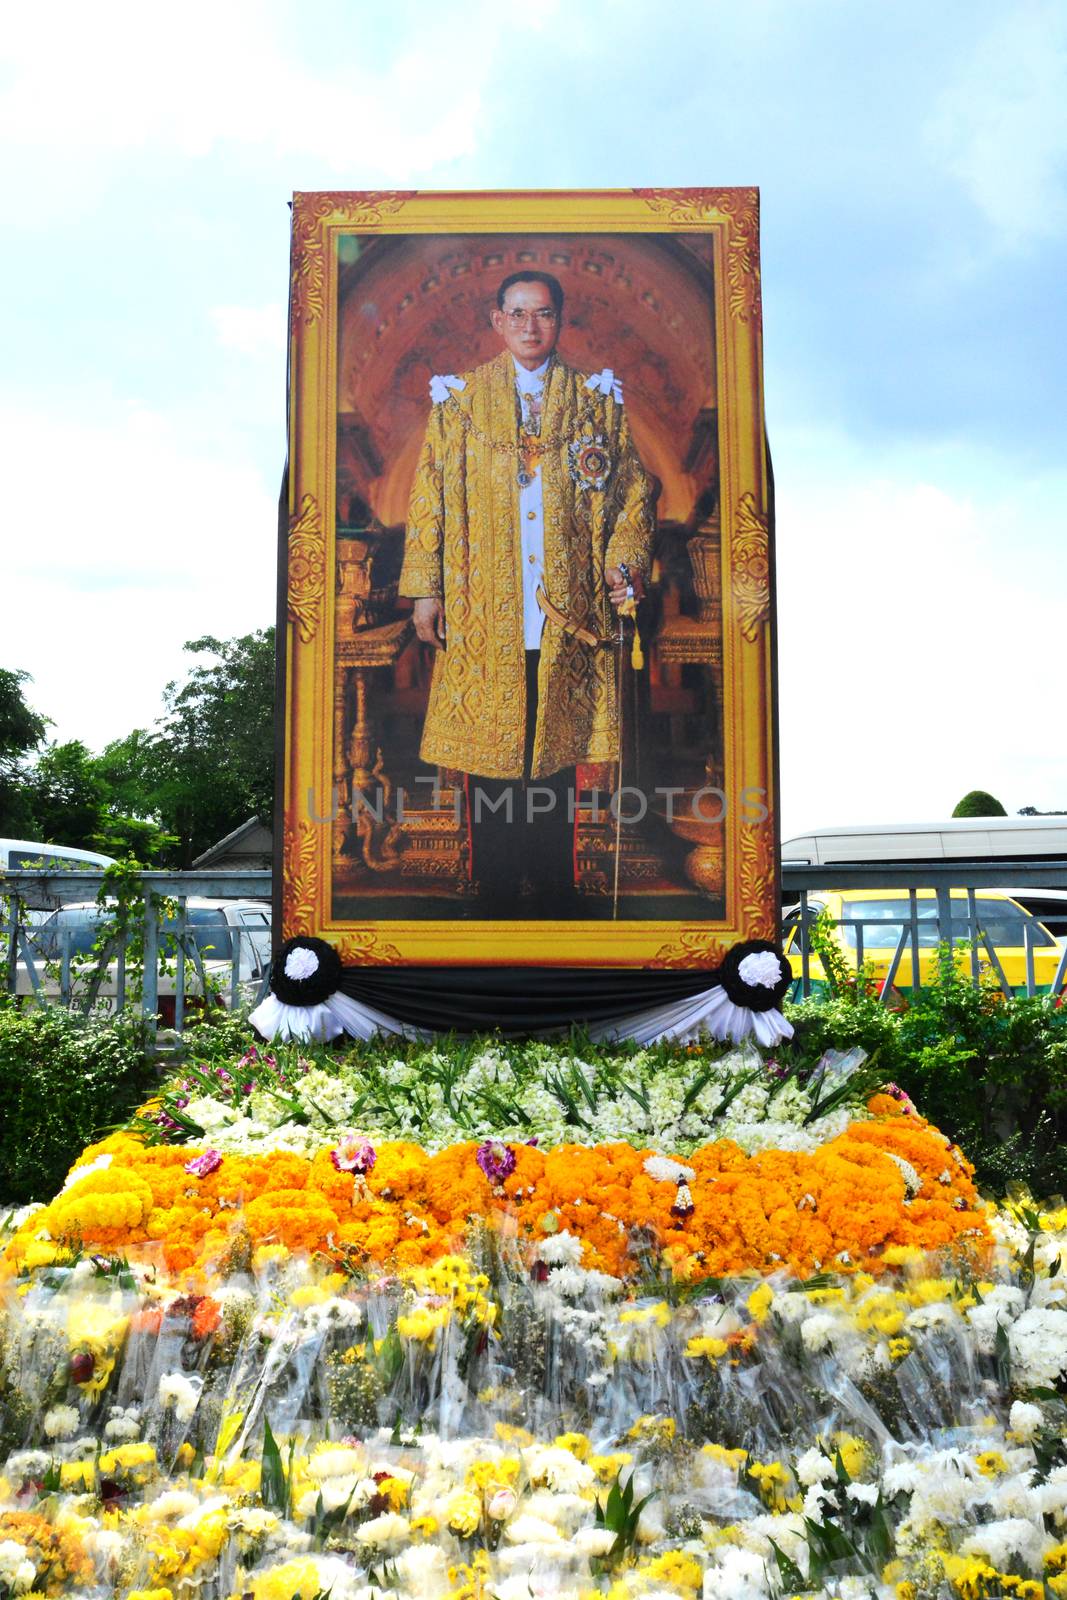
(750,562)
(311,211)
(300,881)
(307,568)
(695,947)
(730,219)
(740,207)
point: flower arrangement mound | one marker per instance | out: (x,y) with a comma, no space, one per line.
(449,1340)
(882,1184)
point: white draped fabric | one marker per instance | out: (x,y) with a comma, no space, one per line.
(710,1012)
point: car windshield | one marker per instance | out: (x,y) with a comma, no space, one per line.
(206,928)
(883,920)
(82,926)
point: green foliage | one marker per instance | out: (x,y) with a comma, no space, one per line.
(620,1514)
(990,1072)
(209,763)
(64,1080)
(21,731)
(66,795)
(977,803)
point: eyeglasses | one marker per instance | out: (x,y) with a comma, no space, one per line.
(545,317)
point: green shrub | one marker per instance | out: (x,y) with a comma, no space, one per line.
(990,1072)
(64,1080)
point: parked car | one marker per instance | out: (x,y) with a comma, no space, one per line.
(217,934)
(884,913)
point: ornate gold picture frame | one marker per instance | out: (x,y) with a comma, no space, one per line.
(389,290)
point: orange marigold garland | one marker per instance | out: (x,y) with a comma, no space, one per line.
(892,1181)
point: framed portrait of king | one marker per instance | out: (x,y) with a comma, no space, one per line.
(527,593)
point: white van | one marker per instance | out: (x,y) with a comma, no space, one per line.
(960,838)
(20,853)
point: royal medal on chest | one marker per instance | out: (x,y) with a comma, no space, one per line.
(588,461)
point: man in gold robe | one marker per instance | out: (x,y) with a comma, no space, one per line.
(530,524)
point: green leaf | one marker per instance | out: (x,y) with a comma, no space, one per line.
(273,1485)
(793,1580)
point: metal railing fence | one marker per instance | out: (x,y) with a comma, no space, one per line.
(171,940)
(167,931)
(800,884)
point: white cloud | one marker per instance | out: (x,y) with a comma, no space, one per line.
(130,542)
(1000,125)
(88,88)
(251,330)
(920,635)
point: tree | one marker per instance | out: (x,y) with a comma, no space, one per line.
(21,732)
(66,795)
(979,804)
(208,764)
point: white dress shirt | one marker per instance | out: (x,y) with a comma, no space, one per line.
(531,518)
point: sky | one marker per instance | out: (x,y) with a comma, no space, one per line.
(912,163)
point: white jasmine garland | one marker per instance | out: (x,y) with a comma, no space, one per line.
(663,1170)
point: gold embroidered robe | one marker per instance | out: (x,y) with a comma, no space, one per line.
(464,544)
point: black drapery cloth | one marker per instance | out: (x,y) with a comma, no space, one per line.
(516,1001)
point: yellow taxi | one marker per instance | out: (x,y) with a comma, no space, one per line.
(871,921)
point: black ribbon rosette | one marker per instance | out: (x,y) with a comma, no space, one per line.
(755,974)
(305,972)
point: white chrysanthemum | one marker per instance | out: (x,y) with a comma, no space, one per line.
(741,1574)
(251,1522)
(557,1467)
(123,1424)
(180,1392)
(389,1528)
(26,1464)
(819,1331)
(17,1571)
(814,1466)
(61,1422)
(561,1250)
(1038,1344)
(568,1282)
(1012,1537)
(423,1568)
(532,1530)
(1025,1420)
(593,1541)
(336,1461)
(172,1503)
